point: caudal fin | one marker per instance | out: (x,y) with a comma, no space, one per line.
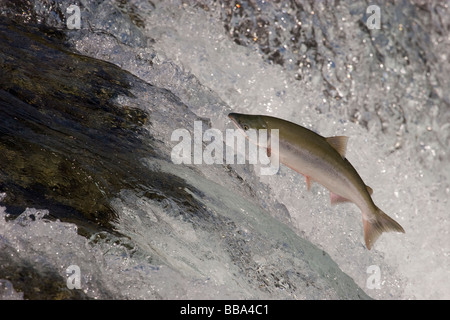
(381,223)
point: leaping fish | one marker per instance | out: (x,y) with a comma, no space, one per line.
(323,160)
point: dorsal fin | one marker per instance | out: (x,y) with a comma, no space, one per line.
(339,143)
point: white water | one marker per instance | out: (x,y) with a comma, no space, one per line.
(212,75)
(410,185)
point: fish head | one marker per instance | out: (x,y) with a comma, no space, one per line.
(246,122)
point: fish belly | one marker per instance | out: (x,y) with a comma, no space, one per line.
(319,170)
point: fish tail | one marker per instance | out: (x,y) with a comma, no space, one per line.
(380,223)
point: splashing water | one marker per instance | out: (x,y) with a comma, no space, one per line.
(312,64)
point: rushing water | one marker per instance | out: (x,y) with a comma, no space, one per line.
(87,179)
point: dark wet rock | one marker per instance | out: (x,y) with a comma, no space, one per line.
(65,145)
(37,282)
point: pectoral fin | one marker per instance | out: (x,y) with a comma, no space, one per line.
(269,145)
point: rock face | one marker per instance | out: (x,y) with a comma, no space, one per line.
(69,146)
(65,145)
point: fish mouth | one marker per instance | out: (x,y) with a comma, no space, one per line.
(232,115)
(233,118)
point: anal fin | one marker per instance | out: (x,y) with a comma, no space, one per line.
(335,199)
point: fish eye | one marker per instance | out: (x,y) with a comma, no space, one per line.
(245,127)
